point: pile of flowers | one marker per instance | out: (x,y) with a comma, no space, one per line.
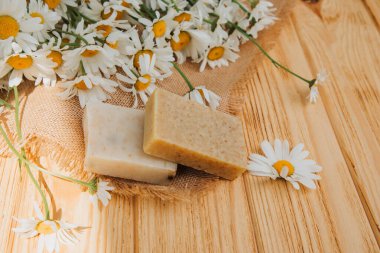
(80,44)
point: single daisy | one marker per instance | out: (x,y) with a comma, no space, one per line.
(146,45)
(15,26)
(141,81)
(101,192)
(314,92)
(278,162)
(29,65)
(220,52)
(55,49)
(87,87)
(95,10)
(94,59)
(260,18)
(161,26)
(51,233)
(48,18)
(204,96)
(60,6)
(189,41)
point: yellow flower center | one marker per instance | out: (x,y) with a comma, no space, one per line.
(279,165)
(119,15)
(45,227)
(38,15)
(182,17)
(18,62)
(159,28)
(215,53)
(136,63)
(81,85)
(105,29)
(113,45)
(8,27)
(125,4)
(140,86)
(89,53)
(184,40)
(52,4)
(56,57)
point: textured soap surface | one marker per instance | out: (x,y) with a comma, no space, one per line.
(188,133)
(114,145)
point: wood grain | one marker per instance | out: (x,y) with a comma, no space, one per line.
(256,214)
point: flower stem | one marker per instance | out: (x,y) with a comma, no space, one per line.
(30,164)
(276,63)
(21,157)
(191,87)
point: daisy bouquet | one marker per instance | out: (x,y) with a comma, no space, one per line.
(91,49)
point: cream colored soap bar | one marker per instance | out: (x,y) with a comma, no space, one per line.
(188,133)
(114,141)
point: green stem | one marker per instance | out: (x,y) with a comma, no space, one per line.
(30,164)
(73,34)
(17,113)
(21,157)
(277,64)
(191,87)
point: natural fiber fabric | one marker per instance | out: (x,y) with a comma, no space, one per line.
(54,126)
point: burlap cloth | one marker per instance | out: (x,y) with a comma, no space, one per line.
(54,127)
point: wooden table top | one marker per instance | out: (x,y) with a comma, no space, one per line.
(250,214)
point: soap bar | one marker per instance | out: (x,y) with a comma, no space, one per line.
(188,133)
(114,145)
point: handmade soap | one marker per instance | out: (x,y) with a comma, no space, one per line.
(188,133)
(114,145)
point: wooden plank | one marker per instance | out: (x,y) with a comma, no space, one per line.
(351,96)
(277,108)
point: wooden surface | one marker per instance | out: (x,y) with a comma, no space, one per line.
(251,214)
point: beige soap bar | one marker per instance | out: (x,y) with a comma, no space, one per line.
(188,133)
(114,145)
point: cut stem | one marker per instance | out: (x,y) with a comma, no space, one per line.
(30,174)
(191,87)
(276,63)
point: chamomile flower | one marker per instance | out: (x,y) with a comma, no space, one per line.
(51,233)
(314,92)
(48,19)
(189,41)
(278,162)
(16,26)
(160,27)
(141,82)
(60,6)
(55,49)
(87,87)
(101,192)
(95,10)
(146,45)
(220,53)
(204,96)
(261,17)
(29,65)
(94,59)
